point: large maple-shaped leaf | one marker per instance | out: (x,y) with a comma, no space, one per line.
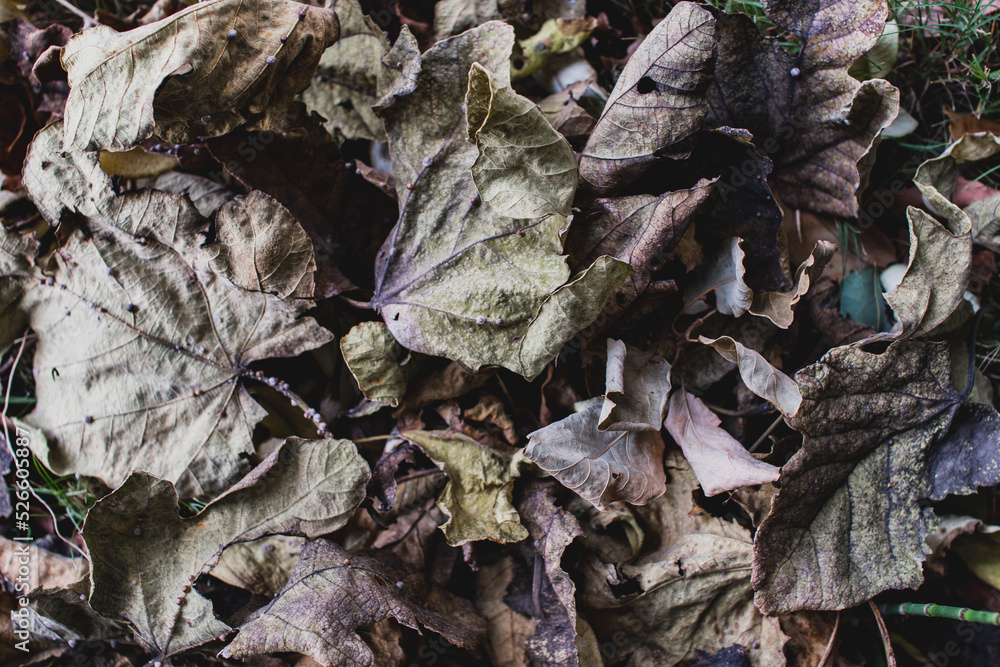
(143,349)
(200,72)
(145,556)
(658,101)
(333,595)
(455,279)
(805,112)
(601,466)
(850,519)
(694,587)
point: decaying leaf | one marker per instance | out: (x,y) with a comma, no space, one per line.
(940,254)
(16,274)
(452,17)
(124,87)
(525,169)
(694,588)
(453,278)
(804,111)
(372,355)
(333,594)
(659,99)
(717,458)
(778,306)
(145,555)
(759,376)
(601,466)
(478,496)
(262,566)
(143,349)
(507,631)
(262,248)
(641,230)
(636,389)
(850,519)
(344,87)
(45,568)
(723,274)
(551,529)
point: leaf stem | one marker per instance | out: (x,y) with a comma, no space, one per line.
(941,611)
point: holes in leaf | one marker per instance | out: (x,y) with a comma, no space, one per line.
(645,85)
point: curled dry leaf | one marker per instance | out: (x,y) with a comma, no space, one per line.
(124,87)
(525,169)
(372,355)
(453,278)
(658,101)
(940,254)
(551,529)
(601,466)
(333,595)
(717,458)
(723,274)
(478,496)
(759,376)
(145,555)
(778,306)
(636,388)
(805,112)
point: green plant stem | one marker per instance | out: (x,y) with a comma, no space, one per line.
(941,611)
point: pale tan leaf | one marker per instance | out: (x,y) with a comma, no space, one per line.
(184,76)
(601,466)
(759,376)
(143,350)
(636,388)
(717,458)
(778,306)
(525,169)
(263,248)
(723,274)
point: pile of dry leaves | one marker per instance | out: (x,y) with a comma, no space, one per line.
(481,333)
